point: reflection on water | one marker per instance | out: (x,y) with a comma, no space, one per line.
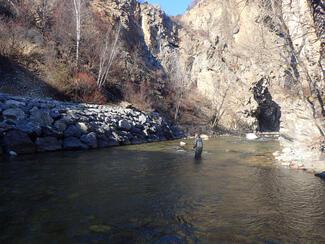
(156,194)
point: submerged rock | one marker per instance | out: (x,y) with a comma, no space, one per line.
(321,175)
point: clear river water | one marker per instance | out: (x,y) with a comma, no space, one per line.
(155,193)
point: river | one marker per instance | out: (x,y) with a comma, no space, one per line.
(155,193)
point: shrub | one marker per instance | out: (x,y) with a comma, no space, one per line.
(83,88)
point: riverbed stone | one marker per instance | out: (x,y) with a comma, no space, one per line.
(41,116)
(14,103)
(18,141)
(14,114)
(73,143)
(90,139)
(30,127)
(55,114)
(142,119)
(48,144)
(73,130)
(124,125)
(83,127)
(321,175)
(60,125)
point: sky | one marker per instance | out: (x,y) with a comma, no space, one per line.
(172,7)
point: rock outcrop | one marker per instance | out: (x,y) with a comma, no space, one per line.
(233,50)
(37,125)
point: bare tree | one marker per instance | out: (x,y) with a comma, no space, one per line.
(180,83)
(107,56)
(77,13)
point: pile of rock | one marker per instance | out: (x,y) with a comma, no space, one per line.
(36,125)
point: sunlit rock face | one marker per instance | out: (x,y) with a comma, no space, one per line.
(227,47)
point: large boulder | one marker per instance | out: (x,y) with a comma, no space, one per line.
(90,140)
(142,119)
(55,114)
(60,125)
(14,103)
(104,141)
(124,125)
(73,130)
(321,175)
(47,144)
(18,142)
(14,114)
(73,143)
(29,127)
(41,116)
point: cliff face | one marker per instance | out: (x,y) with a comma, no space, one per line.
(259,63)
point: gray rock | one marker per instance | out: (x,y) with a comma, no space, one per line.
(90,140)
(30,127)
(321,175)
(137,141)
(41,116)
(48,144)
(14,114)
(104,141)
(124,125)
(14,103)
(12,154)
(55,114)
(142,119)
(60,125)
(52,132)
(17,141)
(83,127)
(73,130)
(73,143)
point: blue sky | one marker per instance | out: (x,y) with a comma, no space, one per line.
(172,7)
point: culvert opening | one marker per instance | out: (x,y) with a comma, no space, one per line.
(268,112)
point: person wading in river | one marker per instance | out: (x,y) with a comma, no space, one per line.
(198,146)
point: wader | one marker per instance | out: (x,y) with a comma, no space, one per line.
(198,147)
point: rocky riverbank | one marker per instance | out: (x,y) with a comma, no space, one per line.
(39,125)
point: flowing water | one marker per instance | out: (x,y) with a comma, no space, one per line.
(155,193)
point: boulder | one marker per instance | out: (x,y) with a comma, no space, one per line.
(321,175)
(60,125)
(41,116)
(29,127)
(14,103)
(47,144)
(90,140)
(142,119)
(83,127)
(124,125)
(73,130)
(18,142)
(14,114)
(52,132)
(73,143)
(55,114)
(104,141)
